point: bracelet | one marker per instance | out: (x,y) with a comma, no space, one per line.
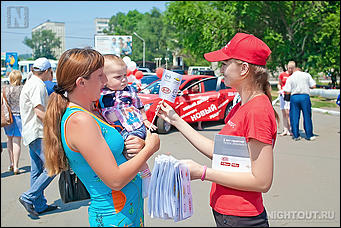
(203,173)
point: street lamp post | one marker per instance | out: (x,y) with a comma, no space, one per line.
(144,47)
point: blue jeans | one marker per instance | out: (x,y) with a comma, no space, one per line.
(298,103)
(39,178)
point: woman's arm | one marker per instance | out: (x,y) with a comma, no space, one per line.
(200,142)
(260,178)
(84,135)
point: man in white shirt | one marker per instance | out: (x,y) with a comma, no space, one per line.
(299,85)
(33,101)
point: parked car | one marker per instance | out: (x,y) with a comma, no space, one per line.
(206,72)
(195,69)
(182,72)
(147,79)
(212,103)
(144,69)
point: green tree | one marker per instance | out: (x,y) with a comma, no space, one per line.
(150,26)
(305,31)
(42,43)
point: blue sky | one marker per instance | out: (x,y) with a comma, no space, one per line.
(78,16)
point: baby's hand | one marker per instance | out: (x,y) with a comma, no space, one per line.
(150,125)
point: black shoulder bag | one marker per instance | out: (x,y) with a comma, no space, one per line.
(287,97)
(71,187)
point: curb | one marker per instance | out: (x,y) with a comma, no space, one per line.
(325,111)
(332,112)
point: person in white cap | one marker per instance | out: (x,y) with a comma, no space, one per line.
(32,102)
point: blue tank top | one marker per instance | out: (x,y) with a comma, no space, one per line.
(108,207)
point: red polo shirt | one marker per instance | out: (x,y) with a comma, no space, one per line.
(256,119)
(283,78)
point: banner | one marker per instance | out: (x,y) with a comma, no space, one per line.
(117,45)
(11,61)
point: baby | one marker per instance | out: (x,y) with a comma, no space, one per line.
(121,107)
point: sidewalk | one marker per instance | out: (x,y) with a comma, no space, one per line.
(305,189)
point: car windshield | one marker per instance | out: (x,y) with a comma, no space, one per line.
(152,88)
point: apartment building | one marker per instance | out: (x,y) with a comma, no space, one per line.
(101,24)
(59,29)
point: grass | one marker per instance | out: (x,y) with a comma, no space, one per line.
(316,101)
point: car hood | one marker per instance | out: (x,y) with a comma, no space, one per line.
(148,98)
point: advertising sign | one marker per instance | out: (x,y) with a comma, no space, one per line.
(118,45)
(11,61)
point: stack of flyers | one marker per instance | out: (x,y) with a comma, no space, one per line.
(169,195)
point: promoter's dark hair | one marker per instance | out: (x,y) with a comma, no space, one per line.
(73,63)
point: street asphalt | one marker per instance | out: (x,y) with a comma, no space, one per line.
(305,189)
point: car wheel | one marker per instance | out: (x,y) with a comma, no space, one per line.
(228,108)
(163,127)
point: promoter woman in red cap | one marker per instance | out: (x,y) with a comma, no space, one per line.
(236,197)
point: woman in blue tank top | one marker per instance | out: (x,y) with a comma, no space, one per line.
(75,135)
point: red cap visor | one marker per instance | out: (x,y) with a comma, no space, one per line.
(216,56)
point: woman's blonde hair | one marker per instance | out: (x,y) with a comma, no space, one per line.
(261,79)
(15,77)
(73,63)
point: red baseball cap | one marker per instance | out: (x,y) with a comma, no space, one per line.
(244,47)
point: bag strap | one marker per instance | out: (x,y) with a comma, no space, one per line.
(4,95)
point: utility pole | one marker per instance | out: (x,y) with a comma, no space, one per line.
(144,47)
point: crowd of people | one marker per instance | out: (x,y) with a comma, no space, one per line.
(93,123)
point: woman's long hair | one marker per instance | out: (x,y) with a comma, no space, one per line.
(72,64)
(261,77)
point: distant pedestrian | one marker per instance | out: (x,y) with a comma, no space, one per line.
(50,84)
(285,104)
(298,86)
(33,101)
(13,131)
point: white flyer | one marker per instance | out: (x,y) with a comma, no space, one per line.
(170,195)
(231,154)
(169,85)
(187,208)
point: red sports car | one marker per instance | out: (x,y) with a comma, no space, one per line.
(200,98)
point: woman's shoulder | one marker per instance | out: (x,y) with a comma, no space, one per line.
(260,104)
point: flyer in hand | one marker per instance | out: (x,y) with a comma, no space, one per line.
(231,154)
(169,85)
(170,195)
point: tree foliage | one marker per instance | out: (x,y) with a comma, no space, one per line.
(42,43)
(150,26)
(307,32)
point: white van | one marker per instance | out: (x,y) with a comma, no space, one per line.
(194,70)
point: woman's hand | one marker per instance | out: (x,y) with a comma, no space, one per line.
(196,170)
(167,113)
(133,145)
(152,142)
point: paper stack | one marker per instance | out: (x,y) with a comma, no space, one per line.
(170,195)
